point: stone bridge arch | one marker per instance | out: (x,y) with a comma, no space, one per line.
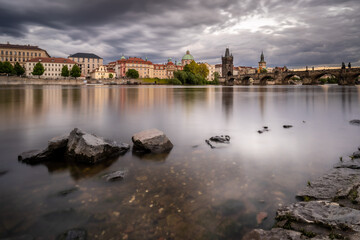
(246,80)
(265,79)
(317,76)
(287,77)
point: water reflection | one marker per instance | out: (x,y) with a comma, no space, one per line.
(193,192)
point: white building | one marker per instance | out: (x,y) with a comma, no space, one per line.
(103,73)
(52,66)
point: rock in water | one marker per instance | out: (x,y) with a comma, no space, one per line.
(287,126)
(323,213)
(34,156)
(356,154)
(113,176)
(260,217)
(337,183)
(89,148)
(73,234)
(275,233)
(355,122)
(221,139)
(152,140)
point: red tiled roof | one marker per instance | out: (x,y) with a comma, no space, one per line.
(135,60)
(52,60)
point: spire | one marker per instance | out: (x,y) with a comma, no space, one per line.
(262,57)
(227,52)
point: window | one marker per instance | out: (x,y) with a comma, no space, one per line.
(27,54)
(10,52)
(35,54)
(2,51)
(39,54)
(31,54)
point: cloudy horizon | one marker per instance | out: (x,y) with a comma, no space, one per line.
(292,33)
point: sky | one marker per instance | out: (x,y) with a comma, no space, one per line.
(295,33)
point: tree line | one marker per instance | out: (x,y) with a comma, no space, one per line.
(17,69)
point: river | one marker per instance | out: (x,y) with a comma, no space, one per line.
(194,192)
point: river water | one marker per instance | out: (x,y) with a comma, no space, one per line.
(194,192)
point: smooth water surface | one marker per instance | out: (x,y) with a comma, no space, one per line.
(194,192)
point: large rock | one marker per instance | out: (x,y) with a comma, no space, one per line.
(89,148)
(348,163)
(275,233)
(356,154)
(152,140)
(322,213)
(337,183)
(79,146)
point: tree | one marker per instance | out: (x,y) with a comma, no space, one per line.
(216,77)
(19,70)
(203,70)
(1,67)
(38,70)
(65,71)
(193,67)
(7,68)
(132,73)
(75,71)
(263,70)
(111,75)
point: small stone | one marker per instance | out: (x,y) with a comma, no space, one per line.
(73,234)
(142,178)
(260,217)
(113,176)
(287,126)
(116,214)
(355,122)
(260,132)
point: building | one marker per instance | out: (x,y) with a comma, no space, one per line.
(227,65)
(144,67)
(218,69)
(187,58)
(211,69)
(20,53)
(103,72)
(87,62)
(246,70)
(53,66)
(262,63)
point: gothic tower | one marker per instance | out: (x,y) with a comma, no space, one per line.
(227,65)
(262,63)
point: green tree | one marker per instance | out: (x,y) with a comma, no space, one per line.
(202,70)
(75,71)
(181,76)
(1,67)
(132,73)
(38,70)
(19,70)
(216,78)
(7,68)
(65,71)
(111,75)
(263,70)
(193,67)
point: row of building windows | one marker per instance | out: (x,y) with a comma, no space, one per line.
(19,53)
(15,59)
(83,60)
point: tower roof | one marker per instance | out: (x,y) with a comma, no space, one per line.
(188,56)
(262,59)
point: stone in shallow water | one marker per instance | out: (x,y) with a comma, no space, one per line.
(355,122)
(221,139)
(287,126)
(152,140)
(34,156)
(323,213)
(336,183)
(73,234)
(356,154)
(89,148)
(113,176)
(348,163)
(275,233)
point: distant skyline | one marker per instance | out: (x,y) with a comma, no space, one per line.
(292,33)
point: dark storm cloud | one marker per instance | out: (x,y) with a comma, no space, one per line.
(291,32)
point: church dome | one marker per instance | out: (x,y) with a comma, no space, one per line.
(188,56)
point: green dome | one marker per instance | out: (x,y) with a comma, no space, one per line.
(123,57)
(188,56)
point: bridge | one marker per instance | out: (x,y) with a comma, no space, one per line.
(347,76)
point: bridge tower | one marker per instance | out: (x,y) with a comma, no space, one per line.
(227,66)
(262,63)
